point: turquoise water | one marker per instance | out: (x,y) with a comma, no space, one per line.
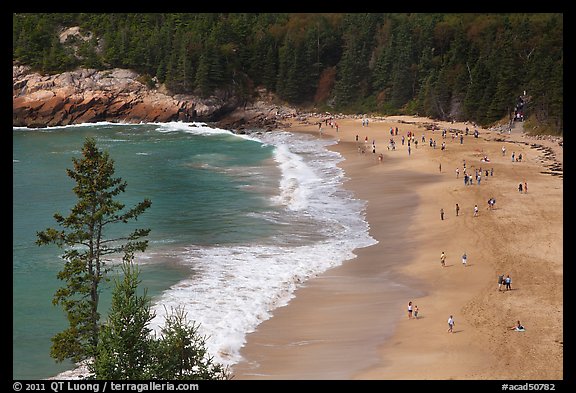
(237,222)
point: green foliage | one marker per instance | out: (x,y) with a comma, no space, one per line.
(181,352)
(128,348)
(481,61)
(353,80)
(124,350)
(87,249)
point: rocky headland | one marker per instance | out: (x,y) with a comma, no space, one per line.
(119,95)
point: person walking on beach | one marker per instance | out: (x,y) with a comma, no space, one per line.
(457,172)
(451,324)
(409,310)
(442,214)
(464,259)
(500,281)
(525,187)
(443,259)
(520,188)
(416,311)
(457,210)
(475,210)
(508,281)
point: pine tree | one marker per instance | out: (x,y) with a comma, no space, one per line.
(181,353)
(87,249)
(124,350)
(401,70)
(270,68)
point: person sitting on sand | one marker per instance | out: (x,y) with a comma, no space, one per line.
(491,203)
(518,327)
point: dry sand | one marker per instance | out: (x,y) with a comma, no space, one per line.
(351,322)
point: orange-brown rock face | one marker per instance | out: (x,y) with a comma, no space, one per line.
(86,96)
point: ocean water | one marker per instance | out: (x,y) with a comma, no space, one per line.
(237,222)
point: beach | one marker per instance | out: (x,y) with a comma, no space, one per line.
(351,322)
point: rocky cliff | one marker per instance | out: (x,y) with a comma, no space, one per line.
(87,95)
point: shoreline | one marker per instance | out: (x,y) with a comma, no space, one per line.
(377,340)
(328,329)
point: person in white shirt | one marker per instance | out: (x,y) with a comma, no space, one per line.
(451,324)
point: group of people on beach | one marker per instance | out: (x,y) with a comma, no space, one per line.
(506,281)
(502,280)
(410,140)
(412,311)
(443,259)
(523,187)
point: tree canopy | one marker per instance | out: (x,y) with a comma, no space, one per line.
(449,66)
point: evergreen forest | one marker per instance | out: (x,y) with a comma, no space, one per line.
(461,66)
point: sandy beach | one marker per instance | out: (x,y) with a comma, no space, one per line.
(352,322)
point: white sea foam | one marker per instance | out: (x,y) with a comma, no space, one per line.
(233,288)
(297,178)
(191,128)
(198,128)
(97,124)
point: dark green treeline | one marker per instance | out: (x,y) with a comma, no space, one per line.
(446,66)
